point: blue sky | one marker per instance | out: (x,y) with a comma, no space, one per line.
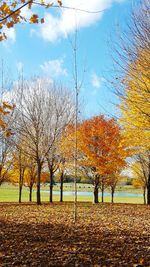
(45,49)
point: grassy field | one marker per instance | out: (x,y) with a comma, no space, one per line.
(103,235)
(9,193)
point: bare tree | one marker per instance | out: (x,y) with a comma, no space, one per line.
(41,113)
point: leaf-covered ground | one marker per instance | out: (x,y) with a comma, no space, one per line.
(46,235)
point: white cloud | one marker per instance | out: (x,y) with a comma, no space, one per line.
(95,80)
(66,21)
(54,68)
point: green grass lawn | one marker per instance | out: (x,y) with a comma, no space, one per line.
(9,193)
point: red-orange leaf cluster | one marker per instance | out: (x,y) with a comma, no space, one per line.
(102,145)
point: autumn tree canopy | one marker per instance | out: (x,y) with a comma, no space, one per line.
(135,105)
(133,86)
(102,151)
(102,145)
(132,76)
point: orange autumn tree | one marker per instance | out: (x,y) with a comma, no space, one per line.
(103,149)
(10,13)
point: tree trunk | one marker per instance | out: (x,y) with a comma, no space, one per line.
(51,193)
(20,193)
(148,183)
(30,194)
(96,194)
(51,186)
(144,195)
(61,186)
(1,177)
(112,195)
(20,183)
(96,184)
(38,183)
(102,193)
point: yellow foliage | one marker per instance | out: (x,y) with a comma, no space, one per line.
(135,106)
(138,183)
(140,173)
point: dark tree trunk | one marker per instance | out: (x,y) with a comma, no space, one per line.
(30,194)
(96,193)
(20,193)
(21,174)
(112,195)
(38,183)
(61,186)
(148,183)
(1,177)
(102,190)
(51,186)
(96,185)
(51,193)
(148,191)
(20,183)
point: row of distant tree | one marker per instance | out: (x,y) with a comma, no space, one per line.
(38,141)
(41,141)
